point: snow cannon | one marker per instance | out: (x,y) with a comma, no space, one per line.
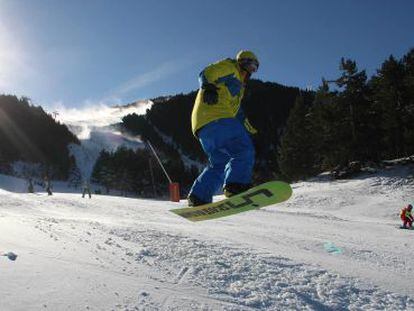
(174,187)
(174,191)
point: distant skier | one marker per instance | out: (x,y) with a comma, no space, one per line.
(86,189)
(48,185)
(223,130)
(30,187)
(407,217)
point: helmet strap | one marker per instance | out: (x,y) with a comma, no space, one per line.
(245,74)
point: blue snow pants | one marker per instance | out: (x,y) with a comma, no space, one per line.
(230,153)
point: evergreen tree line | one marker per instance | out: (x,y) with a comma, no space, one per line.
(169,152)
(136,172)
(124,169)
(29,134)
(352,118)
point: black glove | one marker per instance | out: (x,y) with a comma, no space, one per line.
(210,95)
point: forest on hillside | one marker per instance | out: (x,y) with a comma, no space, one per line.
(29,134)
(352,118)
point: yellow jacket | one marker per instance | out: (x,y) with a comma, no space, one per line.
(227,76)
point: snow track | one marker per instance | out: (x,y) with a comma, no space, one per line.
(112,253)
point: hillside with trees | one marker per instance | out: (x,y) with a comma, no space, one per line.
(29,134)
(352,118)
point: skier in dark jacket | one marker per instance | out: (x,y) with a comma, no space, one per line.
(86,189)
(48,185)
(222,128)
(30,187)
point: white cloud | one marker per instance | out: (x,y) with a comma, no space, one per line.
(161,72)
(101,112)
(96,114)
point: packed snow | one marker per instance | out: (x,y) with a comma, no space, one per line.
(335,245)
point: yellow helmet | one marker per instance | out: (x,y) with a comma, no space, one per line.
(244,54)
(248,61)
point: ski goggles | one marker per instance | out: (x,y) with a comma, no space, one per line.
(249,64)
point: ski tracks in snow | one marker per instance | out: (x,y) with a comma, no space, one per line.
(136,256)
(237,276)
(190,273)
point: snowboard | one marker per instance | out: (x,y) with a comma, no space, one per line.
(257,197)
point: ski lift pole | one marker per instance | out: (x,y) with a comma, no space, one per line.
(173,186)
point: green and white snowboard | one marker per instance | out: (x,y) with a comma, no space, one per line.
(257,197)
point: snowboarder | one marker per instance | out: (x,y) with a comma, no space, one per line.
(48,186)
(223,130)
(86,189)
(407,217)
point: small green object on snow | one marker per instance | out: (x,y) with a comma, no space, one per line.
(332,248)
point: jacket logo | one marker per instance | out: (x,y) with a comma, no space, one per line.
(233,84)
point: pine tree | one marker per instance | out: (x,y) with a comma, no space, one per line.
(296,152)
(356,110)
(390,103)
(408,112)
(75,177)
(329,130)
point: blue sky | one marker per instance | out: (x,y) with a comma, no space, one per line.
(80,53)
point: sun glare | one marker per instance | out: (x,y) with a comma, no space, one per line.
(11,58)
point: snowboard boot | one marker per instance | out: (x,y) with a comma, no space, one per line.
(195,201)
(231,189)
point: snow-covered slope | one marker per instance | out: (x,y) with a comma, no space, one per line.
(93,127)
(332,246)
